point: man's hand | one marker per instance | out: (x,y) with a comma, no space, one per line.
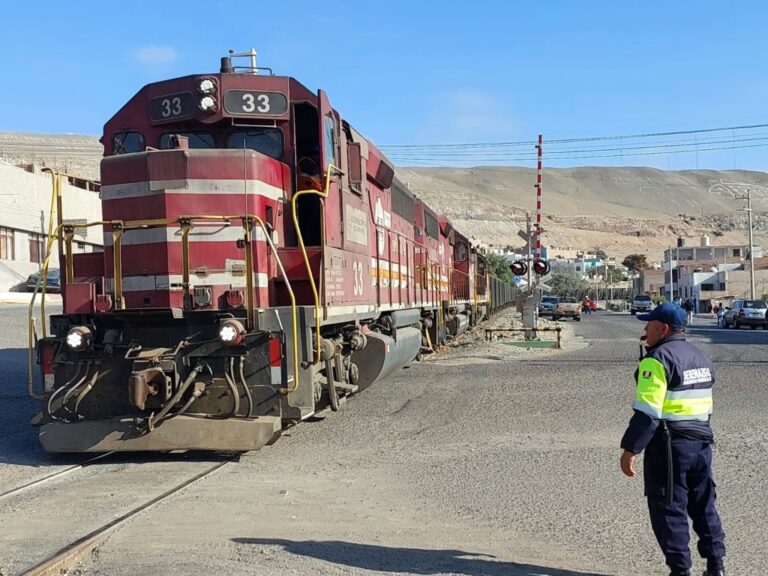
(628,463)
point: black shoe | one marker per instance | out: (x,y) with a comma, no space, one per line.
(718,572)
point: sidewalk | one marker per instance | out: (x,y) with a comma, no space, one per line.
(26,298)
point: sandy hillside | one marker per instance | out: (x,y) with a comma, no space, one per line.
(619,210)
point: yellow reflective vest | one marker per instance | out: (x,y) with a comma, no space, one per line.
(681,401)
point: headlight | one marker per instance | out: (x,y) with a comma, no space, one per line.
(79,338)
(231,332)
(207,104)
(206,86)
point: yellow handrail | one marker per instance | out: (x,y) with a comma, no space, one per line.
(136,224)
(42,280)
(323,195)
(459,283)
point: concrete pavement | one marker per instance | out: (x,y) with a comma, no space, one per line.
(26,298)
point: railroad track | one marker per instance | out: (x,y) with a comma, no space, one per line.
(50,531)
(58,474)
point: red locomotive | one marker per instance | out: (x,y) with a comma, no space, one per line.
(261,261)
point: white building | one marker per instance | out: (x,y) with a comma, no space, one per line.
(25,212)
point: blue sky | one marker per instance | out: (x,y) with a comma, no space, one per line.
(426,72)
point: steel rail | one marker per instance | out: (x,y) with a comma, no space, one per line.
(56,563)
(58,474)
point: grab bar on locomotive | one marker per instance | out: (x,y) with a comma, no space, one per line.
(187,222)
(332,169)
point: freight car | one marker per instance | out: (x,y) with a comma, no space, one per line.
(261,262)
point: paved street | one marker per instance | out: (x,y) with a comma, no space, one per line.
(473,463)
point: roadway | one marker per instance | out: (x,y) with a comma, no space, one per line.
(484,460)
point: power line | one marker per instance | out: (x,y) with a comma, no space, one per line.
(584,157)
(573,140)
(558,152)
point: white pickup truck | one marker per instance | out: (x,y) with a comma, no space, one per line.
(567,308)
(641,303)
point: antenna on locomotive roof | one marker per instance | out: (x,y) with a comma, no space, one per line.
(253,69)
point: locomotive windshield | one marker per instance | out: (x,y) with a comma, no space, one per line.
(196,140)
(127,142)
(268,141)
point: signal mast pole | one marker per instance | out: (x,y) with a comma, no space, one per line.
(540,150)
(529,260)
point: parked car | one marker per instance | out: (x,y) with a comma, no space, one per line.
(567,308)
(547,305)
(52,283)
(746,313)
(641,303)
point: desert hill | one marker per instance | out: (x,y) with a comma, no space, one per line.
(619,210)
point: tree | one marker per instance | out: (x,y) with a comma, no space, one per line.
(563,283)
(614,275)
(635,262)
(500,267)
(601,255)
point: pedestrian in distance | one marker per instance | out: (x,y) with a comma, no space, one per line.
(721,316)
(670,422)
(586,305)
(688,306)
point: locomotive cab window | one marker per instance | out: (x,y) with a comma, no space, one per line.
(330,140)
(196,140)
(460,252)
(127,142)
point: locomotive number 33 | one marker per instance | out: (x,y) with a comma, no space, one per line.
(256,103)
(249,103)
(357,285)
(171,107)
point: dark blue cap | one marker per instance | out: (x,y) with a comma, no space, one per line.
(670,314)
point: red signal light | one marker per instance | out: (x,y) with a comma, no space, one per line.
(519,268)
(541,267)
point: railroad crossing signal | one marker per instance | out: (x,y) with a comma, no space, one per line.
(541,267)
(519,268)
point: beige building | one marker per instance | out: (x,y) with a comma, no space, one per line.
(25,213)
(707,274)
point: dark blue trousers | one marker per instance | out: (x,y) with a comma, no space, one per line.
(693,495)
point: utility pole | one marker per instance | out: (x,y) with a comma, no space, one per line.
(610,279)
(748,198)
(671,278)
(677,267)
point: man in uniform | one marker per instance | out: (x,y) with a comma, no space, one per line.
(671,422)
